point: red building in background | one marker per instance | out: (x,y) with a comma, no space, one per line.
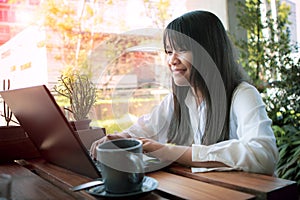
(11,19)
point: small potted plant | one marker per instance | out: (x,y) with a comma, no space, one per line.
(81,95)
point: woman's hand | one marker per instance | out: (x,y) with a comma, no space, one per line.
(150,145)
(108,137)
(167,152)
(154,148)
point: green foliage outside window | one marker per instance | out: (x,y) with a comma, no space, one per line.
(268,58)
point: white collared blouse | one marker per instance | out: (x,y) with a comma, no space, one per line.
(251,146)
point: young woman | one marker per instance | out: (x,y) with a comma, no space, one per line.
(214,118)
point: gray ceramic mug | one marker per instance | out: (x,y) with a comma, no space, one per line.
(121,163)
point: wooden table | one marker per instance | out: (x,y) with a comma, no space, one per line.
(37,179)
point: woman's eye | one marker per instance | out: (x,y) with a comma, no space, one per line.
(179,51)
(182,50)
(169,52)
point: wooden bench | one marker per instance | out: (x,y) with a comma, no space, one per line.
(262,186)
(170,186)
(187,188)
(27,185)
(37,178)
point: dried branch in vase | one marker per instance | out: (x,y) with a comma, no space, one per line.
(80,92)
(6,110)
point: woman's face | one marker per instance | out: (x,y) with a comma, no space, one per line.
(179,63)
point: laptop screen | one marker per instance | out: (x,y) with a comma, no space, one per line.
(44,122)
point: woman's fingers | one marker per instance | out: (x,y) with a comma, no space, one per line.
(93,150)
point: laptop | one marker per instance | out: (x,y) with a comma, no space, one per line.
(44,122)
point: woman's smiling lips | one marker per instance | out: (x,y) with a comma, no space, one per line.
(179,71)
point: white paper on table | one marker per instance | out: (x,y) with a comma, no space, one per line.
(220,169)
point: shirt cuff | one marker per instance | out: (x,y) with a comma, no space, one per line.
(203,153)
(200,153)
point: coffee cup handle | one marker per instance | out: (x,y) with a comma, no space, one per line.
(137,160)
(137,175)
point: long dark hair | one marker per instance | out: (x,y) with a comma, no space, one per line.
(215,72)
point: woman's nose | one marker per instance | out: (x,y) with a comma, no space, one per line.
(173,59)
